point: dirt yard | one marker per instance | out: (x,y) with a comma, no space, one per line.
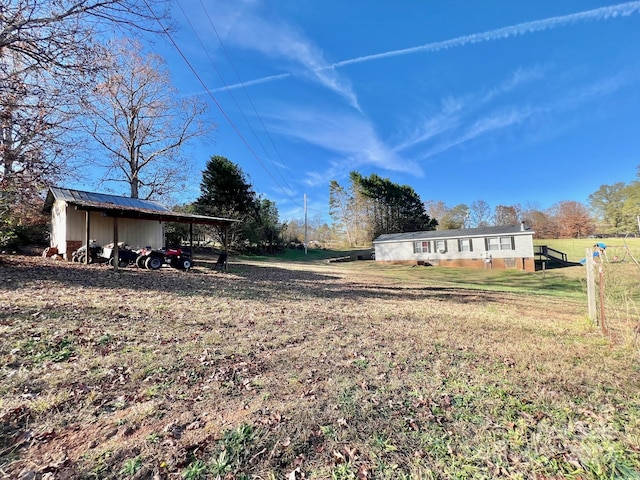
(301,371)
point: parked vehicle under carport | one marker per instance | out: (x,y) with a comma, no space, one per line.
(154,259)
(126,256)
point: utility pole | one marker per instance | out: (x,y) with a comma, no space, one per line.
(305,223)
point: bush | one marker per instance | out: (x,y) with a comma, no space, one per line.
(16,234)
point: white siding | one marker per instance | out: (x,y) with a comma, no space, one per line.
(68,224)
(136,233)
(58,230)
(397,252)
(75,224)
(140,233)
(523,246)
(403,250)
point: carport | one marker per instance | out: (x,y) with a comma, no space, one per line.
(117,208)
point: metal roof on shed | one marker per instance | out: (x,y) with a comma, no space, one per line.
(457,233)
(78,197)
(116,206)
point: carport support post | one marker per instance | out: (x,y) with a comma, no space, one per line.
(226,246)
(116,253)
(87,220)
(191,239)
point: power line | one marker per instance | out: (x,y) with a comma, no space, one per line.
(241,83)
(231,94)
(225,115)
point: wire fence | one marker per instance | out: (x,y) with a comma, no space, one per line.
(613,292)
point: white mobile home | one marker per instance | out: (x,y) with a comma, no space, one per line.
(506,247)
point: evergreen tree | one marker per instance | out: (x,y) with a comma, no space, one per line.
(393,208)
(263,229)
(374,206)
(225,192)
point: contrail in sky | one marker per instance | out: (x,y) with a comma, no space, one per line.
(603,13)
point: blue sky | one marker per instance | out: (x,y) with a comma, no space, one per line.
(528,102)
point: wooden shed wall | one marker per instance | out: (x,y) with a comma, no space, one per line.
(68,229)
(58,229)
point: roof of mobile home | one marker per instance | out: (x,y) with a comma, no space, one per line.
(457,233)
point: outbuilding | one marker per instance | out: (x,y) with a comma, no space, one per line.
(78,216)
(504,247)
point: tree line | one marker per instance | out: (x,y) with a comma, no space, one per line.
(616,208)
(565,219)
(76,106)
(371,206)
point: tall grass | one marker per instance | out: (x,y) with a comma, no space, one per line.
(620,282)
(619,305)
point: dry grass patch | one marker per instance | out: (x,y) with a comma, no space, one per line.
(304,371)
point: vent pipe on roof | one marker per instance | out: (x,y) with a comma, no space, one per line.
(522,227)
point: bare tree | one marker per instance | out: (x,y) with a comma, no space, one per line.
(479,214)
(35,117)
(436,210)
(294,231)
(340,209)
(136,116)
(47,52)
(317,230)
(506,215)
(58,36)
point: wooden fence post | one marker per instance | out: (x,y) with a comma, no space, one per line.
(591,290)
(601,288)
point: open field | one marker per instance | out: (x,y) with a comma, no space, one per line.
(304,369)
(575,247)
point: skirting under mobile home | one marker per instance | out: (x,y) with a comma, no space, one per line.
(505,247)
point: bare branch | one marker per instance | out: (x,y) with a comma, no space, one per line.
(136,116)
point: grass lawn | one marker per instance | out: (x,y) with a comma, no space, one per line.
(303,369)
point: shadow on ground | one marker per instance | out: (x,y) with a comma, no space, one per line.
(242,281)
